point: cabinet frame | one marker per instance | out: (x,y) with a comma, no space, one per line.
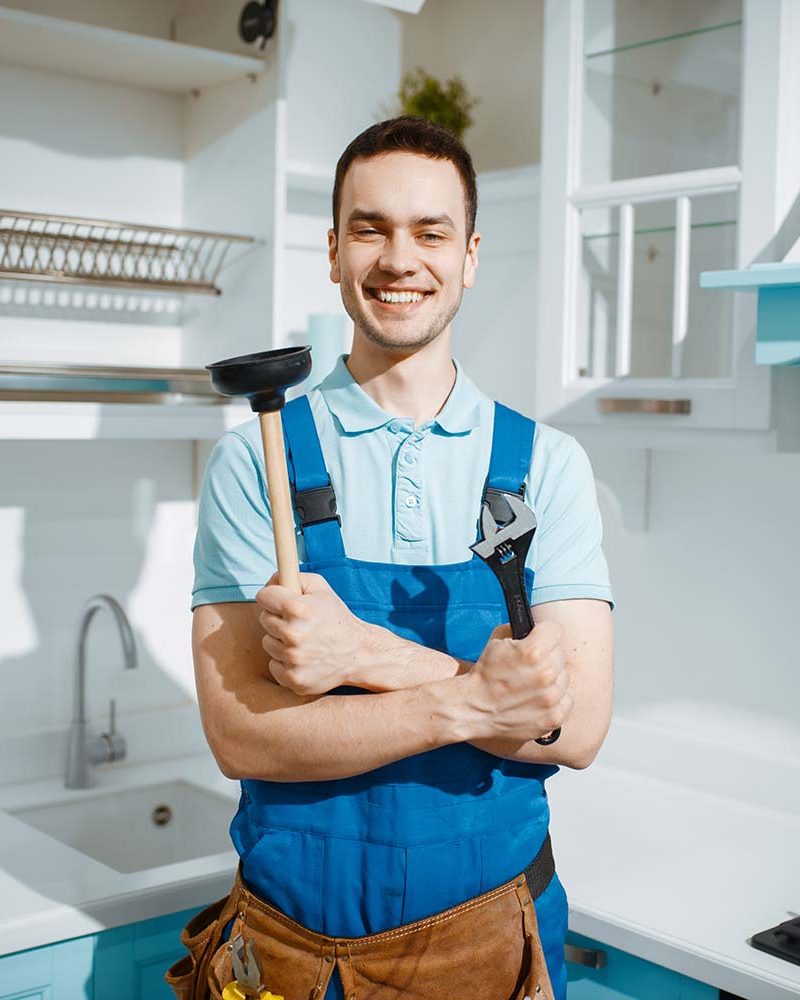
(768,159)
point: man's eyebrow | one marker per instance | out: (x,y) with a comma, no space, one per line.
(367,215)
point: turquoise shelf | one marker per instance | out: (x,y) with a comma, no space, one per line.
(778,319)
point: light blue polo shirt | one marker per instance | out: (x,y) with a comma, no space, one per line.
(405,494)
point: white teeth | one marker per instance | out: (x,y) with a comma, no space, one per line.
(399,296)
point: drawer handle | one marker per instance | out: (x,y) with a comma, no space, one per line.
(627,404)
(595,958)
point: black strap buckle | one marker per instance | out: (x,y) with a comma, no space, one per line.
(498,505)
(316,505)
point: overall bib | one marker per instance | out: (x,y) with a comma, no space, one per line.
(361,855)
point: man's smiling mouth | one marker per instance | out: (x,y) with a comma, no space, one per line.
(397,299)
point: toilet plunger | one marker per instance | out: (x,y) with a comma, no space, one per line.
(264,378)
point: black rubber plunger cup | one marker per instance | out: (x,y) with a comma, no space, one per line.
(264,378)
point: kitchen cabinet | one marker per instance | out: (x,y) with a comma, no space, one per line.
(158,114)
(667,151)
(126,963)
(626,977)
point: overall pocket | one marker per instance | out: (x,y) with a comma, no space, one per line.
(195,937)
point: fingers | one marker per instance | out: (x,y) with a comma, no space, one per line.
(280,601)
(285,630)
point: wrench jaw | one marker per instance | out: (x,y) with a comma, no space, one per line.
(504,550)
(500,544)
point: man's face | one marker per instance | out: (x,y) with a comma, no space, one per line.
(402,226)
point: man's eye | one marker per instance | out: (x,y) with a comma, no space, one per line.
(366,232)
(435,236)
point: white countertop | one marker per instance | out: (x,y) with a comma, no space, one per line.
(673,874)
(677,876)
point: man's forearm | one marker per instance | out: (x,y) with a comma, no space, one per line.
(337,736)
(396,664)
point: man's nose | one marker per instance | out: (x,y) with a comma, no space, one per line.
(399,255)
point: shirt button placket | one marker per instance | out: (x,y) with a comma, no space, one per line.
(408,512)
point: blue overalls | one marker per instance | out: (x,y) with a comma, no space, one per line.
(364,854)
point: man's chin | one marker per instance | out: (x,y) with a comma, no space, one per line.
(402,343)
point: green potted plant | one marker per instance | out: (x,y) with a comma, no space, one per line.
(447,104)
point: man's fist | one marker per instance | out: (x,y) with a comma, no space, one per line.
(313,640)
(519,687)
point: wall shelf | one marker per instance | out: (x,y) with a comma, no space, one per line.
(677,36)
(66,249)
(309,178)
(778,319)
(40,42)
(105,383)
(87,421)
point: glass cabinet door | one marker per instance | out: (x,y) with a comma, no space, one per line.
(661,87)
(666,152)
(705,349)
(660,102)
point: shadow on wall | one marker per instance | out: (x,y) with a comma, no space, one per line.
(79,518)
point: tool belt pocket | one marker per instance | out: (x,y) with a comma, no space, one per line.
(195,937)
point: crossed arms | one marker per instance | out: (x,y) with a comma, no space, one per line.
(263,668)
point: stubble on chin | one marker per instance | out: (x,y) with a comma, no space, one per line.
(375,334)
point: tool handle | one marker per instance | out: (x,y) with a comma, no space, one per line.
(280,500)
(519,618)
(511,575)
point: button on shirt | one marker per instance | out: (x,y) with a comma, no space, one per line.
(405,494)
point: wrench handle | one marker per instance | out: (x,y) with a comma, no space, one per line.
(511,575)
(512,579)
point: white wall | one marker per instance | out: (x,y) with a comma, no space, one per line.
(706,623)
(496,49)
(76,519)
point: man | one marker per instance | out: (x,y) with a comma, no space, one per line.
(393,821)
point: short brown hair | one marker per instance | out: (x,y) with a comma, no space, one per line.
(413,134)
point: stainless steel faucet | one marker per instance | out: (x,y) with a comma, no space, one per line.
(81,750)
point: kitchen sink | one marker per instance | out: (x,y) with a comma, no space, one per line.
(133,829)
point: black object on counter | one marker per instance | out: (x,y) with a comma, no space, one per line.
(783,940)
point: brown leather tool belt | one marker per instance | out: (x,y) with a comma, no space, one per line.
(487,947)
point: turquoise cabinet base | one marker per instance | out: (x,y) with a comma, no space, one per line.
(625,977)
(128,963)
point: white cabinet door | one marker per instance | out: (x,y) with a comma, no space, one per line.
(663,155)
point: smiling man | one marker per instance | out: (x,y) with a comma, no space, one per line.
(392,740)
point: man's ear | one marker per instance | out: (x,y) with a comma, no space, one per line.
(471,260)
(333,256)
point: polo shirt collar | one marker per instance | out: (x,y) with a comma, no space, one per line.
(357,411)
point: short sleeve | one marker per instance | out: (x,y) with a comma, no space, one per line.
(234,549)
(567,555)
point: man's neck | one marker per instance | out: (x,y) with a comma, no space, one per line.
(414,385)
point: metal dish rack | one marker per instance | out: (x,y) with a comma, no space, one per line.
(65,249)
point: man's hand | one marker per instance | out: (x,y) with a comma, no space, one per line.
(520,687)
(313,640)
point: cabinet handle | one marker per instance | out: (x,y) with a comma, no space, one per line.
(627,404)
(595,958)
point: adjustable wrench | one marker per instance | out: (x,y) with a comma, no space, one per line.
(504,549)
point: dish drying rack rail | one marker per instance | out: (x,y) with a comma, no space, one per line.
(71,250)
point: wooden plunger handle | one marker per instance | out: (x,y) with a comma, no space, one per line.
(280,500)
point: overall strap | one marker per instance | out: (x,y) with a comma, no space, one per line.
(512,448)
(312,492)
